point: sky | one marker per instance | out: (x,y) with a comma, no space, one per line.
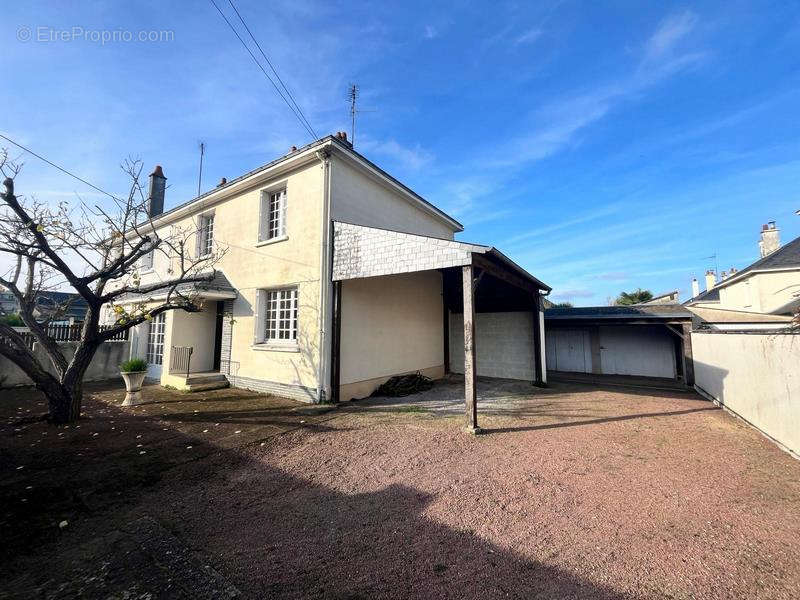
(604,146)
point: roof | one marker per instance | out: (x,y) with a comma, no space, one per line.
(648,311)
(785,257)
(719,315)
(218,285)
(361,251)
(341,145)
(659,299)
(711,295)
(77,305)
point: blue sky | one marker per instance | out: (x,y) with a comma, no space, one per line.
(604,146)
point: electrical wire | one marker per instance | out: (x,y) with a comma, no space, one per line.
(62,169)
(272,68)
(260,66)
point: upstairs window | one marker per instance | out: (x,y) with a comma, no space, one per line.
(273,215)
(206,235)
(146,261)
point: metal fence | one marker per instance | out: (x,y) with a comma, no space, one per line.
(180,359)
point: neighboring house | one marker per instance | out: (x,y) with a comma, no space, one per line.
(8,303)
(769,286)
(668,298)
(336,277)
(649,342)
(62,307)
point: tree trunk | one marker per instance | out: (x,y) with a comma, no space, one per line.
(64,403)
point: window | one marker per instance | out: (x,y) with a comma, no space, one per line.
(146,262)
(279,323)
(206,235)
(273,215)
(155,340)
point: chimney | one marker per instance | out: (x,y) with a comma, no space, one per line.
(222,182)
(711,280)
(723,276)
(770,239)
(158,185)
(695,288)
(732,272)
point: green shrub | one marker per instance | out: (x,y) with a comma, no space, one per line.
(12,320)
(132,365)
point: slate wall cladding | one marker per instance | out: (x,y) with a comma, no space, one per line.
(360,251)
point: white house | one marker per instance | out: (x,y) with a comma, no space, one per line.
(337,277)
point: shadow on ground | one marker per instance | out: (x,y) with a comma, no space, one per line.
(73,512)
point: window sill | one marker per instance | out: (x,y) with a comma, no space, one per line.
(266,347)
(275,240)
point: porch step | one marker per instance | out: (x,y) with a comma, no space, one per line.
(202,383)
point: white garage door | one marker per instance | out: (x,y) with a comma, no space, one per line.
(568,350)
(637,350)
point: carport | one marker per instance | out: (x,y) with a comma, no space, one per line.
(489,319)
(651,343)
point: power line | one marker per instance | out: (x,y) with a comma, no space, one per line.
(62,169)
(272,68)
(260,66)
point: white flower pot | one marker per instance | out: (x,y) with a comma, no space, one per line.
(133,385)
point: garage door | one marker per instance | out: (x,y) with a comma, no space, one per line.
(640,350)
(568,350)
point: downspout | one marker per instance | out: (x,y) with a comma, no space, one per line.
(324,266)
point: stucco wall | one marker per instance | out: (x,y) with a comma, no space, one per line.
(104,365)
(504,344)
(250,265)
(196,330)
(763,292)
(756,376)
(391,325)
(364,201)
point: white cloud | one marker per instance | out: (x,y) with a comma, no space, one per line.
(528,37)
(669,32)
(413,158)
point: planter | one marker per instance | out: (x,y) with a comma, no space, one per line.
(133,385)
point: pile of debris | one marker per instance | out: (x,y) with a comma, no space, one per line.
(404,385)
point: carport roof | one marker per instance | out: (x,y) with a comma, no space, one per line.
(360,251)
(654,312)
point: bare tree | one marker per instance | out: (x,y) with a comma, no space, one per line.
(96,252)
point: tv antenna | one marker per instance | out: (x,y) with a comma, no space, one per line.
(352,97)
(200,176)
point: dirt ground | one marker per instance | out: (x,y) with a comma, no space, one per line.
(573,492)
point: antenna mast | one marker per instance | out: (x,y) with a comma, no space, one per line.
(200,177)
(353,111)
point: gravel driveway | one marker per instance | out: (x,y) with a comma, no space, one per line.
(574,492)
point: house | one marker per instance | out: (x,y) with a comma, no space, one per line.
(667,298)
(8,303)
(336,277)
(650,344)
(764,294)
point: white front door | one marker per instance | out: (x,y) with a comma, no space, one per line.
(155,346)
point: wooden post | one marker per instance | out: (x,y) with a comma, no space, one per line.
(688,359)
(446,334)
(470,391)
(537,342)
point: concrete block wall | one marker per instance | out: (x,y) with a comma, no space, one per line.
(504,344)
(360,251)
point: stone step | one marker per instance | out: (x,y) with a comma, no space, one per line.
(206,386)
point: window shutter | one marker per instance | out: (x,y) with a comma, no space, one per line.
(258,317)
(263,216)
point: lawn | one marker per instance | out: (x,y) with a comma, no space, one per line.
(573,492)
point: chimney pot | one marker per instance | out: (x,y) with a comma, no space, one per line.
(155,196)
(222,182)
(293,149)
